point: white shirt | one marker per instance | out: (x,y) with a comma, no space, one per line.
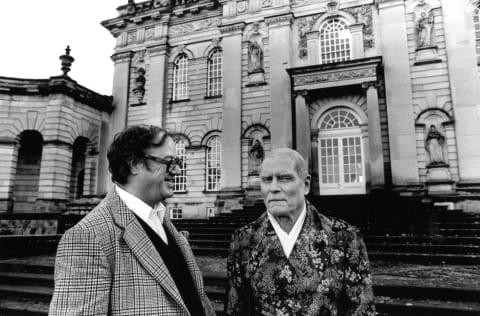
(152,216)
(287,240)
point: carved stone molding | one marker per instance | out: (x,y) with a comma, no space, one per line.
(122,57)
(158,50)
(194,26)
(300,93)
(232,28)
(335,76)
(279,19)
(368,84)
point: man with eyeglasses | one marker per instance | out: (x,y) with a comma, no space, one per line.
(125,257)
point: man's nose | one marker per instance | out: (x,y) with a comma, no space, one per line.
(274,185)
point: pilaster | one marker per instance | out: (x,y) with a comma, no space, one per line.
(232,103)
(280,39)
(463,71)
(8,163)
(156,97)
(54,180)
(398,88)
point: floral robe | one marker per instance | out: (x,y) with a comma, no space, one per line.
(327,272)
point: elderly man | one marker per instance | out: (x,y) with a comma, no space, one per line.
(125,257)
(293,260)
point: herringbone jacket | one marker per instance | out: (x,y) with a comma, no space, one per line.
(107,265)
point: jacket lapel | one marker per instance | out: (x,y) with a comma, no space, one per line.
(142,247)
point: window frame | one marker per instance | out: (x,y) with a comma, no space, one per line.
(327,47)
(215,73)
(180,78)
(216,157)
(180,181)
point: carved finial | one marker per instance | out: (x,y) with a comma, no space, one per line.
(131,7)
(67,61)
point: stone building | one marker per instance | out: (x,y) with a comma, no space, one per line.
(376,95)
(51,134)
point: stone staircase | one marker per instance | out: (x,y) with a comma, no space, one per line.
(424,262)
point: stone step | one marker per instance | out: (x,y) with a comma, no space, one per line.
(435,240)
(17,278)
(28,267)
(387,306)
(422,248)
(41,293)
(424,258)
(210,243)
(23,307)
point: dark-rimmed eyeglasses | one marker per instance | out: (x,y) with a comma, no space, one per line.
(171,163)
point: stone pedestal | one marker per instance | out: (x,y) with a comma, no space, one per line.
(426,55)
(256,78)
(439,179)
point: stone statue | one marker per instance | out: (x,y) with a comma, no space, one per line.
(434,144)
(424,29)
(255,157)
(255,57)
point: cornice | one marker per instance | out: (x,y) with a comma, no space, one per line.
(122,57)
(56,85)
(159,49)
(232,28)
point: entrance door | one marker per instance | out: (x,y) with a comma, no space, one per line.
(341,165)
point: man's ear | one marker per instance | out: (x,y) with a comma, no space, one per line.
(134,167)
(307,184)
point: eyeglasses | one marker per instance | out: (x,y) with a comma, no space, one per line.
(171,163)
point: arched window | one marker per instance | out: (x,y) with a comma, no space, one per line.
(213,164)
(340,151)
(181,179)
(334,41)
(214,85)
(476,23)
(77,173)
(180,78)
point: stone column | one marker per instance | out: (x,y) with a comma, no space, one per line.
(463,74)
(55,171)
(398,92)
(8,164)
(377,167)
(302,126)
(118,118)
(231,179)
(156,96)
(280,39)
(313,51)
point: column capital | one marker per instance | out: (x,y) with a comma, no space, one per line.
(232,29)
(279,20)
(122,57)
(300,93)
(370,84)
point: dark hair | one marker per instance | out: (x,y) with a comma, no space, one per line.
(128,147)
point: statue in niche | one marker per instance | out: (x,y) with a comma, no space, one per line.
(424,29)
(434,144)
(255,157)
(255,57)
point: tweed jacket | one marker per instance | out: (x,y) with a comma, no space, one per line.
(107,265)
(327,272)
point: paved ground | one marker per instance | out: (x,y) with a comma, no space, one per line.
(445,276)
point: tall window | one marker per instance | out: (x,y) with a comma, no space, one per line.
(181,179)
(213,164)
(476,23)
(334,41)
(214,87)
(180,78)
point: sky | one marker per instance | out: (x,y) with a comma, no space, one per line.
(34,33)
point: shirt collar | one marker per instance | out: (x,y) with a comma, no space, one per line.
(140,208)
(282,235)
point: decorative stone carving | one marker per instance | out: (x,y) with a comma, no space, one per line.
(332,7)
(256,154)
(335,76)
(255,57)
(434,144)
(424,27)
(242,6)
(266,3)
(139,89)
(194,26)
(363,14)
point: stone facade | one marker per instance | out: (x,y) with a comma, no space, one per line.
(360,116)
(40,121)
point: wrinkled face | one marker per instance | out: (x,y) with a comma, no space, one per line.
(157,183)
(283,190)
